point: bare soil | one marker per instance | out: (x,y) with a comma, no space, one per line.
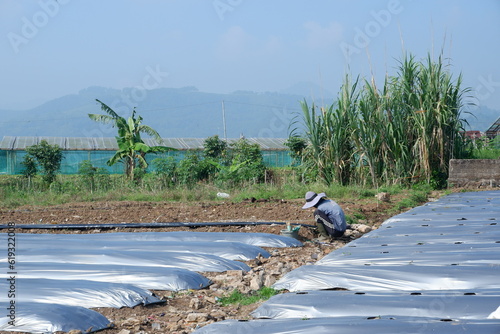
(183,312)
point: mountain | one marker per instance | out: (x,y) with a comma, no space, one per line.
(173,112)
(181,112)
(309,89)
(481,118)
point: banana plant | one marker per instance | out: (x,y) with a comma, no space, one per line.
(131,148)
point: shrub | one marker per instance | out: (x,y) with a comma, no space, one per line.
(214,148)
(192,169)
(30,168)
(93,178)
(48,157)
(166,169)
(297,146)
(247,163)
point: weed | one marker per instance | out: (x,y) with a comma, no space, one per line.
(359,215)
(349,220)
(237,297)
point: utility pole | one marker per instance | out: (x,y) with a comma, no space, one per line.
(224,120)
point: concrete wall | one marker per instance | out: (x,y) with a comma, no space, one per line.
(478,173)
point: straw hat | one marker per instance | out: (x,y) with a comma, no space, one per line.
(312,199)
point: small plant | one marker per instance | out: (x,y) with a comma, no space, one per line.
(359,215)
(93,178)
(366,193)
(30,169)
(236,297)
(418,197)
(350,220)
(166,169)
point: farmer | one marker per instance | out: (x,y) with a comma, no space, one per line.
(328,215)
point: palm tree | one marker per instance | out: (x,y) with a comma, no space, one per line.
(131,148)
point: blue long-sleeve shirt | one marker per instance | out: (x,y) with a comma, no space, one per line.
(334,212)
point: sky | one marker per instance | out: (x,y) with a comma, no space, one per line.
(50,48)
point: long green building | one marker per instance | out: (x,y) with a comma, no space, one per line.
(99,149)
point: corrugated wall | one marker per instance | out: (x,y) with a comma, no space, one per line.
(99,150)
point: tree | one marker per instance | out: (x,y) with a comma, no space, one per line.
(297,145)
(48,157)
(247,162)
(214,148)
(30,169)
(131,148)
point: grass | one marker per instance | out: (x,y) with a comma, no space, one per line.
(486,154)
(15,191)
(237,297)
(415,198)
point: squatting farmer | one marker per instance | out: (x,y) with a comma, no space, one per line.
(328,215)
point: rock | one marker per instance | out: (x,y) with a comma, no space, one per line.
(211,299)
(363,228)
(352,233)
(356,234)
(255,262)
(171,309)
(384,197)
(270,280)
(256,282)
(245,289)
(75,331)
(176,318)
(197,317)
(123,331)
(285,269)
(172,327)
(195,303)
(131,322)
(235,274)
(218,314)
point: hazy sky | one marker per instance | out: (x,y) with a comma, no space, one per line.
(49,48)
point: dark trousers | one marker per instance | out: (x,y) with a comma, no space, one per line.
(325,225)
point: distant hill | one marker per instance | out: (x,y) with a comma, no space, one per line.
(308,89)
(481,118)
(180,112)
(173,112)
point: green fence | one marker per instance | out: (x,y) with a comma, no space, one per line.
(10,161)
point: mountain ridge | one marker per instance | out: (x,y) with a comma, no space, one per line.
(177,112)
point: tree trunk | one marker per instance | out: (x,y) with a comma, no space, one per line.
(129,167)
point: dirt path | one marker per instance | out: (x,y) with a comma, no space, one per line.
(147,212)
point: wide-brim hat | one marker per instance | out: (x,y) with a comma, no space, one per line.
(312,199)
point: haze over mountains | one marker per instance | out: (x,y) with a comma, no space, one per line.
(173,112)
(179,112)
